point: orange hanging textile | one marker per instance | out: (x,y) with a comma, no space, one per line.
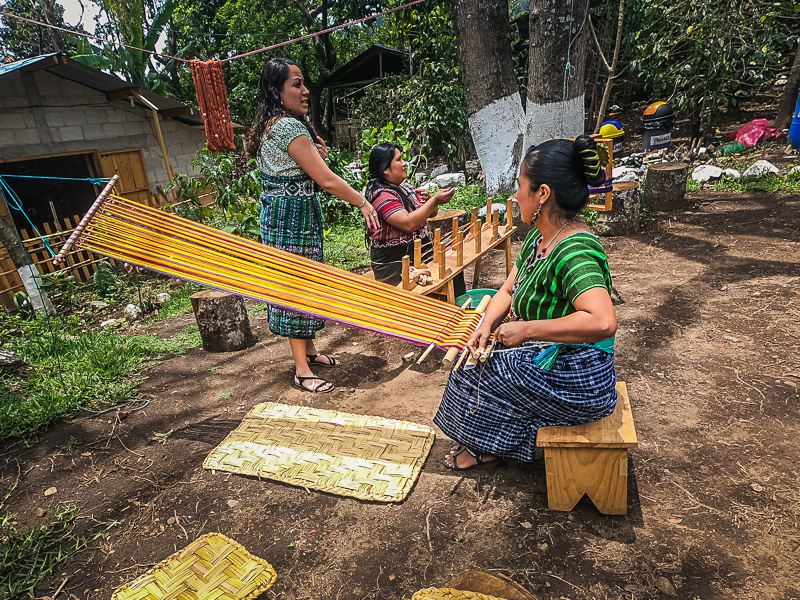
(212,98)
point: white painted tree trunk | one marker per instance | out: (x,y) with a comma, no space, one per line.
(554,120)
(497,132)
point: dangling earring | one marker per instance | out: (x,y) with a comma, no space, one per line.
(536,214)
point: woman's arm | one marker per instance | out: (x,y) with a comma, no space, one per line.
(594,320)
(306,156)
(411,221)
(496,311)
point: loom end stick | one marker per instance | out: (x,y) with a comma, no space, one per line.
(461,358)
(61,256)
(424,355)
(450,356)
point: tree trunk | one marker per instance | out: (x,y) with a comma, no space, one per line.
(789,95)
(26,270)
(559,36)
(494,108)
(612,68)
(49,16)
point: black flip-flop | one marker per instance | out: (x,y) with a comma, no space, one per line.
(314,389)
(476,455)
(332,362)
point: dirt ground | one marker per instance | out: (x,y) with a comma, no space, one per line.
(708,343)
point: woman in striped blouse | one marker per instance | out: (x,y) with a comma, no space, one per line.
(553,363)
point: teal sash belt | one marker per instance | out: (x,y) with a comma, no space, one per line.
(548,356)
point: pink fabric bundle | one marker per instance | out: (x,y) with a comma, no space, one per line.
(754,132)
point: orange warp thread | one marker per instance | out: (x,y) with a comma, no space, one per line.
(212,98)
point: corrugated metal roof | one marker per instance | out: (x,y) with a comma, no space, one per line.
(87,76)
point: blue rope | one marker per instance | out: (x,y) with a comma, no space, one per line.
(95,180)
(16,201)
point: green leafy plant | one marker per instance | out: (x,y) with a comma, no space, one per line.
(234,183)
(106,281)
(706,56)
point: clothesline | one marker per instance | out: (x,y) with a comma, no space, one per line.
(251,53)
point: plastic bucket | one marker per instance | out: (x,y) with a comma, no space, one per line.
(656,139)
(794,134)
(474,296)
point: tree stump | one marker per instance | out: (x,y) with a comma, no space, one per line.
(623,218)
(665,187)
(223,322)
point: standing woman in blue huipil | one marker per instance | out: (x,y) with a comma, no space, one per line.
(554,360)
(291,158)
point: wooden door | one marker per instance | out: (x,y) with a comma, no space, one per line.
(133,181)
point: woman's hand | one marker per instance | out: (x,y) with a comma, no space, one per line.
(424,195)
(478,339)
(444,196)
(321,148)
(370,215)
(512,334)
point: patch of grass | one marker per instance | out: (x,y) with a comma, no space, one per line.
(178,304)
(692,185)
(72,369)
(771,182)
(258,309)
(344,247)
(27,557)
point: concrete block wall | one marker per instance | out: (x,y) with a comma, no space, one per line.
(41,113)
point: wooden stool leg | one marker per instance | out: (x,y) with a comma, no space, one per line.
(476,273)
(507,247)
(602,473)
(451,292)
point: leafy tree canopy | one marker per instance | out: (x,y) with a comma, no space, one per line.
(704,55)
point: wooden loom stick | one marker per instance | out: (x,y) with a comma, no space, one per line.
(509,214)
(59,258)
(424,355)
(418,254)
(458,242)
(451,353)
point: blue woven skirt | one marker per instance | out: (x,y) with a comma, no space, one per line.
(294,223)
(497,406)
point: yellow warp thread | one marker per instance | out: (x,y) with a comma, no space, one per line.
(163,242)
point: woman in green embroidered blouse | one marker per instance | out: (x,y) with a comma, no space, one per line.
(291,157)
(553,363)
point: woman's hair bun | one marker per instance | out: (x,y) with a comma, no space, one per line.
(593,167)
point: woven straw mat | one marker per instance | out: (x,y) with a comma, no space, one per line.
(364,457)
(211,567)
(450,594)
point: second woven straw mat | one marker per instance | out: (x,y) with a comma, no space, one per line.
(365,457)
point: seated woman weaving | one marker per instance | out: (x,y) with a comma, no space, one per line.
(403,213)
(553,362)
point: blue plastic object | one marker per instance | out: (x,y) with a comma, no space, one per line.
(794,134)
(794,129)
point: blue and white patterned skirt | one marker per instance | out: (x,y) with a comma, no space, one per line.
(497,406)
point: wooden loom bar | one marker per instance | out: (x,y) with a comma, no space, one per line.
(59,258)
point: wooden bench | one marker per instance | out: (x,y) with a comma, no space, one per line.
(590,459)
